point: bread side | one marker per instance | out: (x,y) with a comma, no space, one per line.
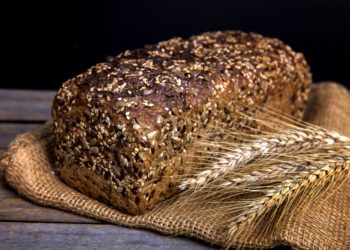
(123,128)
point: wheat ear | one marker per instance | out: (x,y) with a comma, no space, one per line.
(287,142)
(287,193)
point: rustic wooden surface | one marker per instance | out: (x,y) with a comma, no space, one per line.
(24,225)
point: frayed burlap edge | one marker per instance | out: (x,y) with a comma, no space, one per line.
(27,168)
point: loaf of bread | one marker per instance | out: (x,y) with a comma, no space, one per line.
(123,128)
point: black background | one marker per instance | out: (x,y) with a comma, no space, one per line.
(43,44)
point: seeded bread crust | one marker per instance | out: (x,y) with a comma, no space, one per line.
(123,128)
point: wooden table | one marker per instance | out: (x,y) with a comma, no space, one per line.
(24,225)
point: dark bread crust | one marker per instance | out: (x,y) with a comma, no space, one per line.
(124,127)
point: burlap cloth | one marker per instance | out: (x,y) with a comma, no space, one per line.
(27,168)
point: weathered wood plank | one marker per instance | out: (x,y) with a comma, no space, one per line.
(8,131)
(80,236)
(26,94)
(18,209)
(15,208)
(25,105)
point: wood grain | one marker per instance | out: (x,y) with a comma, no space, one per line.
(25,105)
(15,208)
(80,236)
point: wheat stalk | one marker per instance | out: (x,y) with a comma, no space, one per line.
(281,184)
(267,175)
(261,175)
(286,192)
(284,143)
(273,183)
(272,176)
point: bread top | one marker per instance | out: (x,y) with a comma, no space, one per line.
(146,85)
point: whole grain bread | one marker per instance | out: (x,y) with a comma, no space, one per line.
(124,128)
